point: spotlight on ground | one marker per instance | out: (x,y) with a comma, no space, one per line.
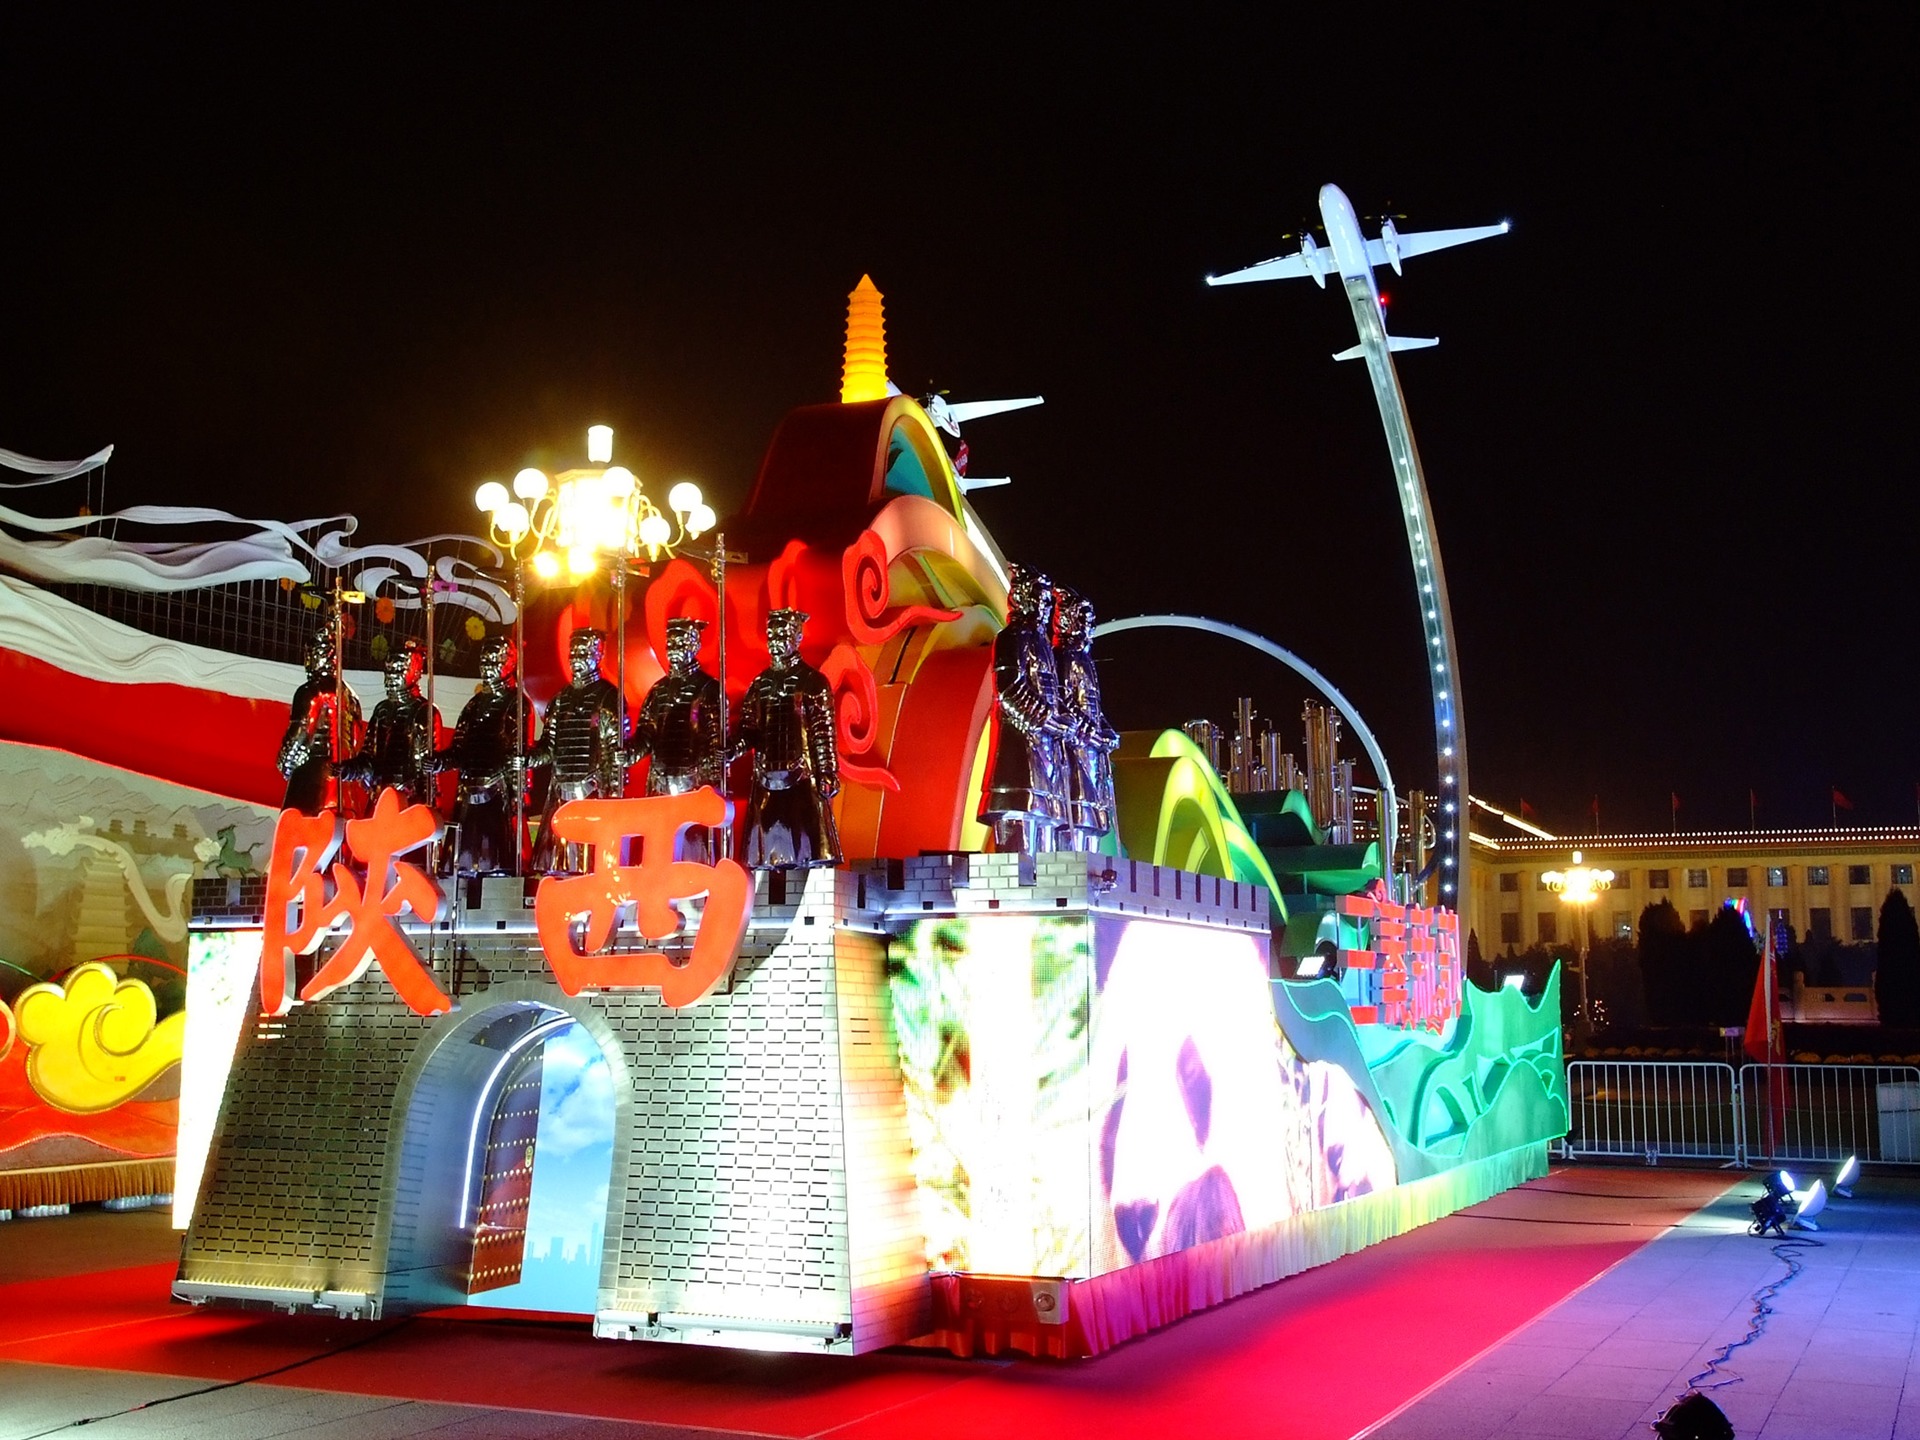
(1694,1417)
(1808,1205)
(1848,1173)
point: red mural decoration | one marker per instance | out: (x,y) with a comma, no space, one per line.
(848,601)
(863,572)
(657,822)
(308,895)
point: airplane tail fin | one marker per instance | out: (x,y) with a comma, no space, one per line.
(1394,342)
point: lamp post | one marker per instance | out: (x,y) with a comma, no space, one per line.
(1579,886)
(574,522)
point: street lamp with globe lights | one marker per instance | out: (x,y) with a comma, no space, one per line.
(595,514)
(1579,886)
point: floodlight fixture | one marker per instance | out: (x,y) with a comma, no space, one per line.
(1773,1209)
(1694,1417)
(1808,1205)
(1843,1179)
(1515,980)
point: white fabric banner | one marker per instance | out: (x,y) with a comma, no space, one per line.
(45,472)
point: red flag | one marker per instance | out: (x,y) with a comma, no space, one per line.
(1765,1042)
(1676,801)
(1526,810)
(1762,1040)
(1840,801)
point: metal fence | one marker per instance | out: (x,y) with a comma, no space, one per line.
(1706,1110)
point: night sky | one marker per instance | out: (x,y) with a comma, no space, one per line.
(362,266)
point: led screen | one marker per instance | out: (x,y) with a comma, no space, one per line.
(1208,1122)
(1084,1096)
(221,968)
(991,1018)
(573,1156)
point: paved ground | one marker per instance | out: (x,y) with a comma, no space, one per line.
(1837,1359)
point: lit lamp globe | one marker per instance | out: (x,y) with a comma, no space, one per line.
(655,532)
(530,484)
(684,498)
(701,519)
(490,497)
(619,482)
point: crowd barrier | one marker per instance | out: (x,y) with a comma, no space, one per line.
(1753,1115)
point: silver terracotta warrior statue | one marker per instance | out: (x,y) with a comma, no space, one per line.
(1024,798)
(786,719)
(314,742)
(486,750)
(1090,740)
(580,747)
(397,750)
(678,728)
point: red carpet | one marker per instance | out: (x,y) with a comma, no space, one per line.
(1286,1361)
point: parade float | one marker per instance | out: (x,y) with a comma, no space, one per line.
(776,946)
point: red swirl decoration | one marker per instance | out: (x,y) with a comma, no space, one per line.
(863,573)
(856,716)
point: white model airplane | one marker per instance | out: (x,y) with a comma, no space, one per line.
(1354,257)
(950,415)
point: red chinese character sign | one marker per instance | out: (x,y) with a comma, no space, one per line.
(1415,957)
(312,891)
(593,901)
(309,895)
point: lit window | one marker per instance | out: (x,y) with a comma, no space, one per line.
(1817,875)
(1656,879)
(1777,875)
(1903,874)
(1623,924)
(1696,879)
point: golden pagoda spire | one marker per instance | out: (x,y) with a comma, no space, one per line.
(864,375)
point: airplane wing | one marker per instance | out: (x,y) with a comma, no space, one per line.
(965,410)
(1419,242)
(1283,267)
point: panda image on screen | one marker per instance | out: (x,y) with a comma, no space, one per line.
(1211,1125)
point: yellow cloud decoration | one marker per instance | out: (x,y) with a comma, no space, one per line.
(93,1042)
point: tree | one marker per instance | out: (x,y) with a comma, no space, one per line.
(1613,972)
(1668,972)
(1898,983)
(1479,972)
(1732,966)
